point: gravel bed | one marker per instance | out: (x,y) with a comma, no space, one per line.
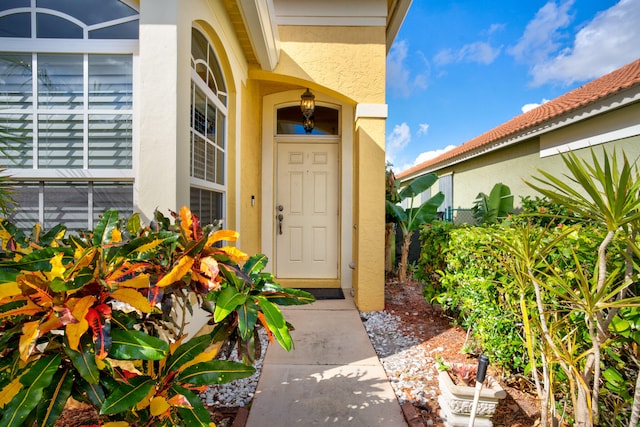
(402,356)
(237,393)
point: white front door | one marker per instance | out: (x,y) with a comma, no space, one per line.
(307,211)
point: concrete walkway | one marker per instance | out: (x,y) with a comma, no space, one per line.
(332,377)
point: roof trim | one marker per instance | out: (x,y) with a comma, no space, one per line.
(614,90)
(259,21)
(612,103)
(397,12)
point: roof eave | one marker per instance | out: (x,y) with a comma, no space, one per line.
(397,12)
(610,103)
(259,21)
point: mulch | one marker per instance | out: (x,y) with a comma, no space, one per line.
(436,331)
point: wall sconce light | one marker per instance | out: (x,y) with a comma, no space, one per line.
(307,106)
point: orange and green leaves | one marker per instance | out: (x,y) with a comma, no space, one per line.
(90,316)
(34,380)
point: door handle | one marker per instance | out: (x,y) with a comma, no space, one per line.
(280,218)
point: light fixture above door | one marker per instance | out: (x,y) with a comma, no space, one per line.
(307,106)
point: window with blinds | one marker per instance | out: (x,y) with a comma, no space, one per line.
(208,112)
(66,118)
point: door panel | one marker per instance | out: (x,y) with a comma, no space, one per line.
(307,244)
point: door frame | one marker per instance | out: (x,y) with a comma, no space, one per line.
(345,183)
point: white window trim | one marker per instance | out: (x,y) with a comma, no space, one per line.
(591,141)
(33,46)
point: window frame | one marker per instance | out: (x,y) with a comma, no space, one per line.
(85,46)
(198,84)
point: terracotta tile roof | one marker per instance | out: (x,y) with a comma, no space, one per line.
(609,84)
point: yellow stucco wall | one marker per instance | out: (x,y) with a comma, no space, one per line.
(369,218)
(250,169)
(348,62)
(345,63)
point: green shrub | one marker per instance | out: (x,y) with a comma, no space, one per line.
(476,289)
(543,212)
(434,240)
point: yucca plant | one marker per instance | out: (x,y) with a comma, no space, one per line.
(100,317)
(605,192)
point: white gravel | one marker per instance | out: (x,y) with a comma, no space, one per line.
(399,352)
(238,392)
(402,357)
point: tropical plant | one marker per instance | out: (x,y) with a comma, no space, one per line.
(434,241)
(411,218)
(392,197)
(101,317)
(606,192)
(494,207)
(6,195)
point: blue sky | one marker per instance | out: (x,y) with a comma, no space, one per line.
(460,68)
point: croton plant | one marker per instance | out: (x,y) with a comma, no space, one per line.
(100,317)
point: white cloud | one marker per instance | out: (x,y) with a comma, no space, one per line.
(399,76)
(423,130)
(424,156)
(494,28)
(542,34)
(428,155)
(397,141)
(604,44)
(479,52)
(529,107)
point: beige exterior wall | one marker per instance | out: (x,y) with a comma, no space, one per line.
(512,166)
(157,169)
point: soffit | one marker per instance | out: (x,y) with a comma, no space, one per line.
(255,21)
(238,25)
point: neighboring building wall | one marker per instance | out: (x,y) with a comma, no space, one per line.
(480,174)
(514,165)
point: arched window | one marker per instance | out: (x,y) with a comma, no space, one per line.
(289,121)
(66,108)
(208,131)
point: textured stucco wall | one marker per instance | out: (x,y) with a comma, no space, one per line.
(346,63)
(513,165)
(163,99)
(250,169)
